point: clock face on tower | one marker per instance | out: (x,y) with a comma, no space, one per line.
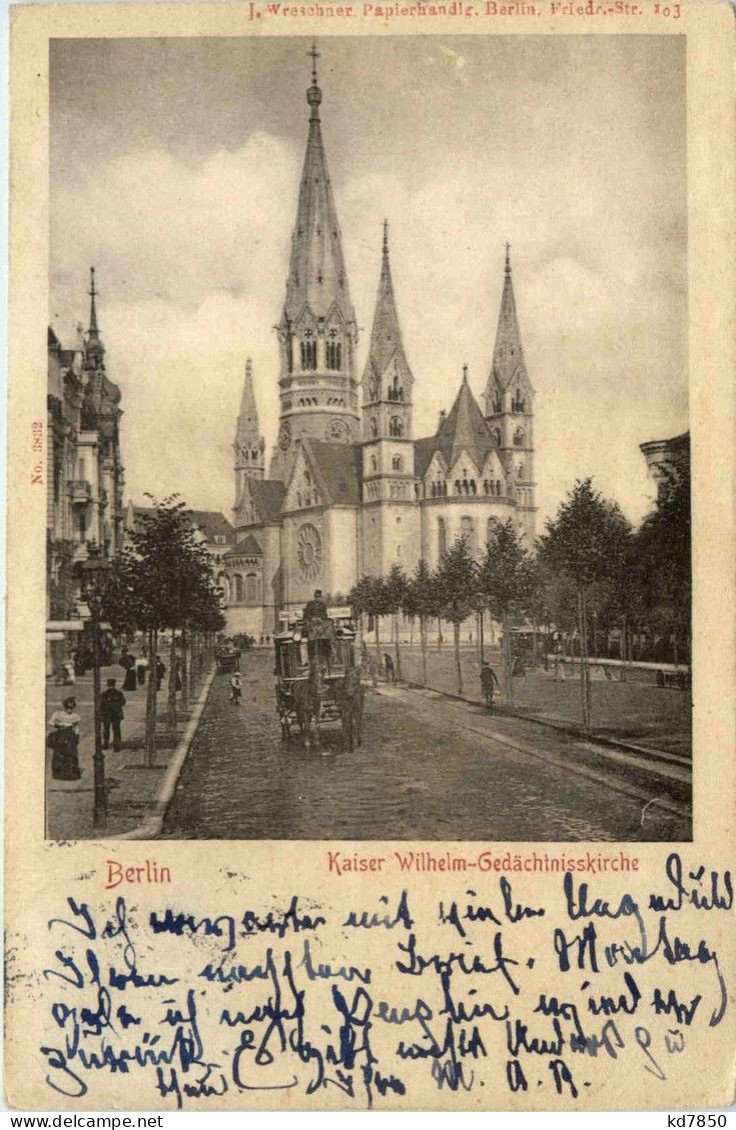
(284,436)
(309,551)
(337,431)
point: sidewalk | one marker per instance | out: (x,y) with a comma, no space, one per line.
(132,787)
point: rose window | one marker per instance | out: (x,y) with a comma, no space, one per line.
(309,551)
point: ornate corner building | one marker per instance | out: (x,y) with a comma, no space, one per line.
(85,474)
(351,490)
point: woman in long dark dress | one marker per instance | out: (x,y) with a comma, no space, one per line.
(127,662)
(64,742)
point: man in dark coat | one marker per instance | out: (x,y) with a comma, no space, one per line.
(112,702)
(488,682)
(315,609)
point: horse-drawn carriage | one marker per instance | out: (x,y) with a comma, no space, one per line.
(227,658)
(317,682)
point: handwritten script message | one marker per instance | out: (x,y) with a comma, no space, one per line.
(386,996)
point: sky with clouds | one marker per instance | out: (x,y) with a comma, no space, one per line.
(175,166)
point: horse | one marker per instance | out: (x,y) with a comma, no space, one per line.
(350,696)
(307,695)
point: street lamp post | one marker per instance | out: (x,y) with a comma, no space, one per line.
(480,607)
(95,568)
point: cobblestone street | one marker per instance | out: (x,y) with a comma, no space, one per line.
(429,768)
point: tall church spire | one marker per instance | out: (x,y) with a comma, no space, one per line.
(317,276)
(249,444)
(318,335)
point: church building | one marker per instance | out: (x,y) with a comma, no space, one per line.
(350,489)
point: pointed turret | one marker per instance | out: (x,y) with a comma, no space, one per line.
(386,344)
(94,348)
(249,444)
(464,428)
(508,353)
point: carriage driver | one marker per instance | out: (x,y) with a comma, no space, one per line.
(318,628)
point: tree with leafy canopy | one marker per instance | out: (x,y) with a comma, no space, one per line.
(162,580)
(395,591)
(456,587)
(663,557)
(587,542)
(506,580)
(369,596)
(421,600)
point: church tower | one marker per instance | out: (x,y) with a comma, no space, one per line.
(509,409)
(317,333)
(391,525)
(249,446)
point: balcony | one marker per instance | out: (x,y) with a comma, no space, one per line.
(80,492)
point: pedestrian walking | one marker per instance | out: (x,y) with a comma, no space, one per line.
(127,662)
(559,665)
(160,672)
(488,683)
(388,665)
(176,674)
(112,702)
(236,688)
(63,741)
(141,668)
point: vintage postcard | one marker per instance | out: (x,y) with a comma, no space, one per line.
(370,698)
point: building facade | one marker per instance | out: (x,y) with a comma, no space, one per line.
(351,489)
(85,475)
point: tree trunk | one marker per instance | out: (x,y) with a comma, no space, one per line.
(184,670)
(151,700)
(584,679)
(507,658)
(622,647)
(378,647)
(423,640)
(456,634)
(172,684)
(396,645)
(439,633)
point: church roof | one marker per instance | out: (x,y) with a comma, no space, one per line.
(250,546)
(508,354)
(386,333)
(268,495)
(338,469)
(317,276)
(463,429)
(213,523)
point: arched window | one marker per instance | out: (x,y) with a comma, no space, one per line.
(396,426)
(497,436)
(519,437)
(308,351)
(441,538)
(251,588)
(497,405)
(473,487)
(444,489)
(333,352)
(397,463)
(467,530)
(518,404)
(374,463)
(238,588)
(374,427)
(498,486)
(458,486)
